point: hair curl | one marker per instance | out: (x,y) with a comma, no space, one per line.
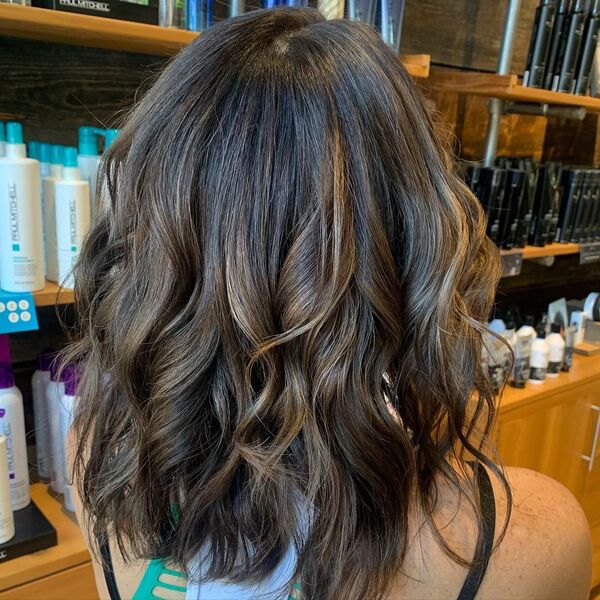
(284,249)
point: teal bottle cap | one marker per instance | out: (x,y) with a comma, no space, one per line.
(109,137)
(2,132)
(70,157)
(33,149)
(88,140)
(14,133)
(56,154)
(45,152)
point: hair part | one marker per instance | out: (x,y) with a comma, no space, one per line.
(284,250)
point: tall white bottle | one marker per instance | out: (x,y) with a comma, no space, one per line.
(556,350)
(54,392)
(12,425)
(21,237)
(539,356)
(7,521)
(2,140)
(48,194)
(39,383)
(66,419)
(88,159)
(72,205)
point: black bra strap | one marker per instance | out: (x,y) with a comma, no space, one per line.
(109,573)
(488,509)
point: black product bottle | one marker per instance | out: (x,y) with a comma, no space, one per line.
(560,22)
(564,79)
(579,231)
(487,184)
(541,212)
(572,181)
(588,48)
(539,44)
(555,193)
(513,199)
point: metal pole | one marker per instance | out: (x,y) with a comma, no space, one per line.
(504,60)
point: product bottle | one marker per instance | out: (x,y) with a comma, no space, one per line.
(45,154)
(570,333)
(539,357)
(510,337)
(110,135)
(7,521)
(72,206)
(33,149)
(66,418)
(497,325)
(21,238)
(525,337)
(48,195)
(12,425)
(2,140)
(39,383)
(54,392)
(556,346)
(88,159)
(171,13)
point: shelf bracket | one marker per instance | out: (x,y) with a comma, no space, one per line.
(576,113)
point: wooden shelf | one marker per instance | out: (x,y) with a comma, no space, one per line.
(112,34)
(557,249)
(507,87)
(584,369)
(70,550)
(53,294)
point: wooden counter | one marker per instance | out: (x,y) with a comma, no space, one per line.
(584,370)
(61,572)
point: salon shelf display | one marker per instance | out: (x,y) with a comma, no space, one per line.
(111,34)
(53,294)
(507,87)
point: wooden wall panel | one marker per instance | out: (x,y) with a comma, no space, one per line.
(464,33)
(54,88)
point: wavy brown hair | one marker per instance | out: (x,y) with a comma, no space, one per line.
(284,251)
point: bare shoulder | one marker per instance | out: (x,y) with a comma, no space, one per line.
(546,552)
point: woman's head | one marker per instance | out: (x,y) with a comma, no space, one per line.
(283,250)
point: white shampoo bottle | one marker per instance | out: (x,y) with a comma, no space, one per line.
(39,383)
(539,357)
(72,205)
(556,350)
(21,237)
(54,392)
(48,195)
(88,159)
(67,405)
(12,425)
(7,521)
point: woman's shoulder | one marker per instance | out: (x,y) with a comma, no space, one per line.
(546,551)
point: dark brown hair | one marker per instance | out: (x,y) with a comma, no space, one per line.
(284,250)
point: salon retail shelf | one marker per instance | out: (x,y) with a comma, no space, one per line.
(63,571)
(584,370)
(112,34)
(53,294)
(507,87)
(530,252)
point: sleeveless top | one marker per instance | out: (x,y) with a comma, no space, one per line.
(158,576)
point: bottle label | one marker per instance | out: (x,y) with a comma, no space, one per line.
(554,367)
(537,373)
